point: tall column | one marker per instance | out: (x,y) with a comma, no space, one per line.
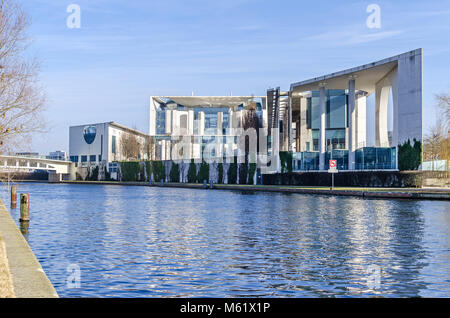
(219,123)
(322,147)
(290,123)
(351,110)
(201,124)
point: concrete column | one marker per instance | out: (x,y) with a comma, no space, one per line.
(322,145)
(190,122)
(219,123)
(168,121)
(201,123)
(351,110)
(290,124)
(381,114)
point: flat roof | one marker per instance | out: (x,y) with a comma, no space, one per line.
(366,75)
(117,125)
(207,101)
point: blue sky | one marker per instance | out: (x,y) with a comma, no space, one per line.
(129,50)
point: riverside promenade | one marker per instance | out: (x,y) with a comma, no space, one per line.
(387,193)
(21,274)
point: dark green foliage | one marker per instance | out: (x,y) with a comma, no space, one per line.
(232,172)
(159,171)
(243,173)
(286,161)
(148,170)
(251,173)
(220,173)
(93,174)
(175,173)
(192,172)
(203,172)
(409,157)
(107,175)
(141,172)
(129,171)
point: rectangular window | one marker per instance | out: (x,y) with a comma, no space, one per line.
(83,158)
(74,158)
(92,158)
(113,145)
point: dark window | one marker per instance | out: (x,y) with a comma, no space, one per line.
(83,158)
(74,158)
(92,158)
(113,145)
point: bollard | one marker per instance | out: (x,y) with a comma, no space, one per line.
(204,184)
(24,207)
(162,182)
(210,183)
(13,197)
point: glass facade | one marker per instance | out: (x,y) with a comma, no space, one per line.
(304,161)
(369,158)
(341,156)
(160,121)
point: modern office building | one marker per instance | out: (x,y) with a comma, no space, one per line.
(202,119)
(325,117)
(104,143)
(319,119)
(58,155)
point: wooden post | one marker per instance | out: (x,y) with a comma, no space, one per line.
(24,207)
(13,197)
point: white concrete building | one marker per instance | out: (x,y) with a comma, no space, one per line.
(102,143)
(325,117)
(202,118)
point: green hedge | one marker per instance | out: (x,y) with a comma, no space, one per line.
(203,172)
(409,156)
(148,170)
(129,171)
(175,173)
(220,173)
(232,172)
(159,171)
(286,161)
(192,172)
(243,173)
(251,173)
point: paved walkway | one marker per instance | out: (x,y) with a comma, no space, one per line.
(28,277)
(6,286)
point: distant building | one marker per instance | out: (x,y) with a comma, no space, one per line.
(58,155)
(95,144)
(28,154)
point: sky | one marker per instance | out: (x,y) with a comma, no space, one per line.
(128,50)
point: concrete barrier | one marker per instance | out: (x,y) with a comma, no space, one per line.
(28,277)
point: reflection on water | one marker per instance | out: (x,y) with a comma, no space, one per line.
(152,242)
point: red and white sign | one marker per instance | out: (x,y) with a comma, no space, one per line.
(333,163)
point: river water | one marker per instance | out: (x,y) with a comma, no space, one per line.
(124,241)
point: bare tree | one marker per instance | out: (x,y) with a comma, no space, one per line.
(21,98)
(443,103)
(149,147)
(129,146)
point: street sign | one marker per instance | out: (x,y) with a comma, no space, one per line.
(333,163)
(333,167)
